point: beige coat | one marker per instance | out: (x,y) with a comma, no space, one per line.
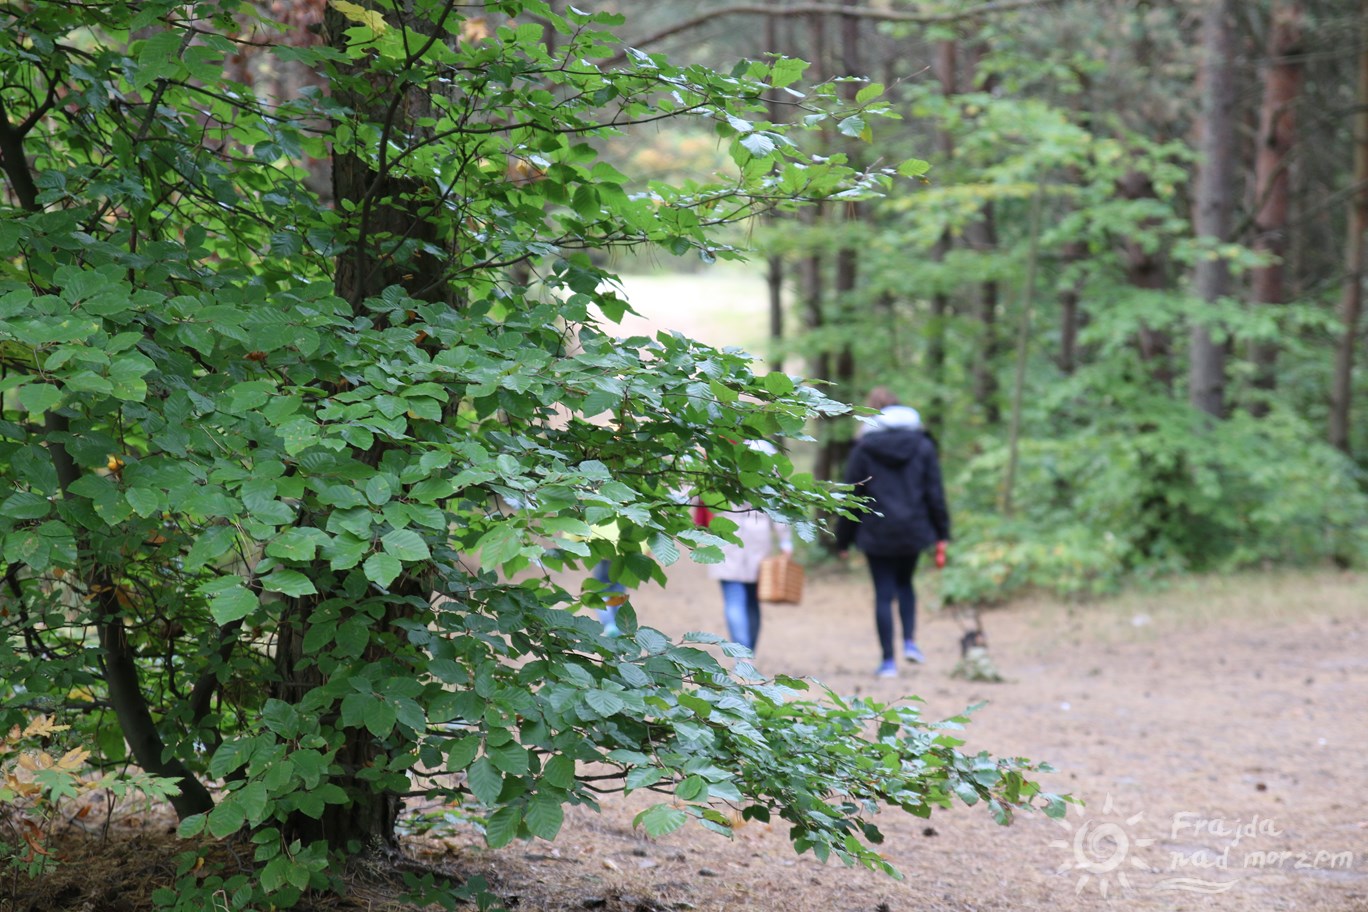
(741,563)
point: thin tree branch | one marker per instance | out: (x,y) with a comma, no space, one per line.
(921,17)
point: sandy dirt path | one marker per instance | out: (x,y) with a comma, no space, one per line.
(1217,733)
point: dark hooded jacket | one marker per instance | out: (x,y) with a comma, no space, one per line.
(897,468)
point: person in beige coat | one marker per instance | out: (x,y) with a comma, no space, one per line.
(739,571)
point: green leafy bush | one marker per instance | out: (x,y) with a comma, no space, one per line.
(1149,492)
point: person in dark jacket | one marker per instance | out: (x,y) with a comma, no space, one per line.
(895,466)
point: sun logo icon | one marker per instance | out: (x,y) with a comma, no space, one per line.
(1101,849)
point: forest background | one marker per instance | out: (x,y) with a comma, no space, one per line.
(1126,295)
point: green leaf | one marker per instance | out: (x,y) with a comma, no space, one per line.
(25,505)
(544,816)
(229,600)
(758,144)
(382,569)
(293,545)
(461,752)
(39,397)
(192,826)
(144,501)
(852,126)
(559,771)
(660,820)
(288,582)
(692,788)
(786,71)
(502,826)
(211,544)
(405,545)
(604,703)
(380,717)
(226,818)
(485,781)
(914,167)
(869,93)
(664,548)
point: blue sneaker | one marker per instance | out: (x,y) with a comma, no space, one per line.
(888,669)
(912,653)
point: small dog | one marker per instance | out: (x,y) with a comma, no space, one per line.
(975,664)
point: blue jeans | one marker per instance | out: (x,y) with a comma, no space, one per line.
(608,616)
(893,582)
(741,605)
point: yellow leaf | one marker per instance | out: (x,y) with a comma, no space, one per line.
(33,762)
(73,759)
(42,726)
(360,15)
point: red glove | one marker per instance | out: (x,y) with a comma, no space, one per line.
(940,555)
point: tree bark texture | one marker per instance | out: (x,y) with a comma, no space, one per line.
(981,236)
(774,272)
(847,258)
(1351,295)
(945,65)
(1213,201)
(1272,180)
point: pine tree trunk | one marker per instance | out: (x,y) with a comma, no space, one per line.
(1213,201)
(1272,181)
(1351,297)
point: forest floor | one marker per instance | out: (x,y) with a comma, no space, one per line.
(1216,729)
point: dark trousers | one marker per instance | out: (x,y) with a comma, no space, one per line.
(893,582)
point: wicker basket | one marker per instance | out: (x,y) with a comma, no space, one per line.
(781,580)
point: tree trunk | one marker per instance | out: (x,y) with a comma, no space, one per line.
(1213,201)
(774,271)
(1070,315)
(982,237)
(387,214)
(1351,296)
(1272,181)
(847,258)
(813,269)
(947,53)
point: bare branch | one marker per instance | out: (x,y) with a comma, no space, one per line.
(915,16)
